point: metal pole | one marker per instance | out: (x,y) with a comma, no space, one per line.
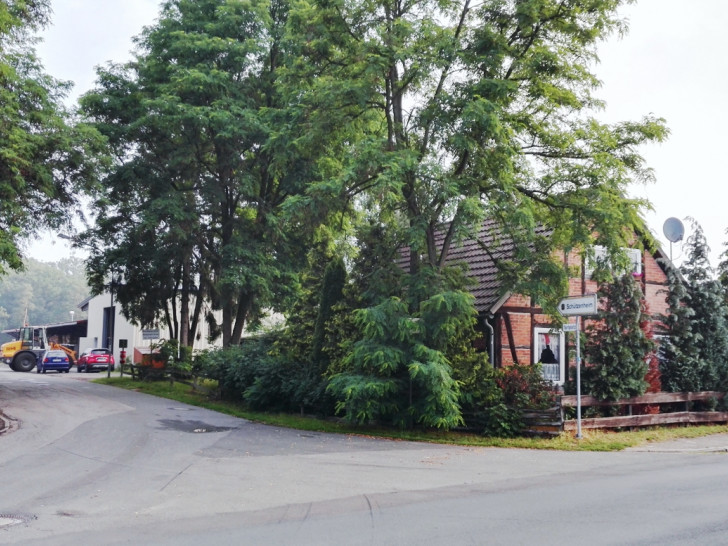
(578,380)
(110,340)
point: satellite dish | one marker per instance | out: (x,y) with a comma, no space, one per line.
(673,230)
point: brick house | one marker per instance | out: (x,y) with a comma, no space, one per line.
(514,329)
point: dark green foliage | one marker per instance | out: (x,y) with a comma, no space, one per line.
(306,341)
(398,372)
(478,386)
(296,340)
(678,356)
(723,270)
(695,356)
(502,421)
(521,388)
(331,293)
(234,368)
(375,273)
(196,210)
(46,160)
(257,375)
(501,395)
(284,386)
(617,348)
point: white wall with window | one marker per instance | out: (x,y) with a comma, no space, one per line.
(600,256)
(550,350)
(106,326)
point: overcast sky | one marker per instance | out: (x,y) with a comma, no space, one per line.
(671,64)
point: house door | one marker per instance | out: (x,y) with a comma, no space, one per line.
(107,338)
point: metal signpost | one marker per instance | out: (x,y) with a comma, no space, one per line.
(578,306)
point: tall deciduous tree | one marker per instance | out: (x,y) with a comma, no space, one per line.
(193,209)
(472,110)
(461,111)
(46,160)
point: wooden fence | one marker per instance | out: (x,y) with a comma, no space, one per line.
(679,410)
(668,408)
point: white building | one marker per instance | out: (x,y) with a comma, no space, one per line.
(108,328)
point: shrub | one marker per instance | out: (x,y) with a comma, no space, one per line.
(492,399)
(235,368)
(263,379)
(502,421)
(524,387)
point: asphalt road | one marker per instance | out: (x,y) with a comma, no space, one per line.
(90,464)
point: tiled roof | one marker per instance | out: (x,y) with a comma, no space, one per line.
(481,256)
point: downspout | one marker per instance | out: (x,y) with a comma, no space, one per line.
(491,347)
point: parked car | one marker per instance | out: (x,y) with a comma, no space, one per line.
(95,359)
(55,359)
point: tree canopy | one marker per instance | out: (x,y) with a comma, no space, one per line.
(46,159)
(193,209)
(695,353)
(242,126)
(463,111)
(456,112)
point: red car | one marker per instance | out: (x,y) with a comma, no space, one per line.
(95,359)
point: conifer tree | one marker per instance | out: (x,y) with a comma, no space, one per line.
(678,358)
(618,347)
(723,270)
(709,326)
(331,293)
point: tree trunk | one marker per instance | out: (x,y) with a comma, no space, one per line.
(185,305)
(245,303)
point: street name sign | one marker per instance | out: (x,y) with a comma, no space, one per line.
(150,334)
(578,305)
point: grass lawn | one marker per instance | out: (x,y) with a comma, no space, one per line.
(591,441)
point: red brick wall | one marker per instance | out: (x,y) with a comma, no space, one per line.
(655,285)
(524,317)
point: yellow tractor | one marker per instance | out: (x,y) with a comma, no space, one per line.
(23,354)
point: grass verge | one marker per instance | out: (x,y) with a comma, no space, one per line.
(593,440)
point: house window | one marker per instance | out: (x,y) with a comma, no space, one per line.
(600,254)
(549,349)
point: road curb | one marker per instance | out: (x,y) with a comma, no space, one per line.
(681,450)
